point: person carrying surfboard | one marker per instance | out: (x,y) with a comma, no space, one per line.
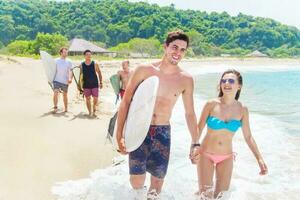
(124,75)
(63,78)
(92,81)
(153,154)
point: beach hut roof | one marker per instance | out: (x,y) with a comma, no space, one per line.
(257,53)
(80,45)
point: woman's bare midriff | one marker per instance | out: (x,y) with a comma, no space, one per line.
(218,142)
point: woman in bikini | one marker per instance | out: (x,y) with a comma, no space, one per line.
(223,116)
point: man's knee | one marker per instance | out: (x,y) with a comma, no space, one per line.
(88,98)
(56,92)
(137,181)
(95,99)
(156,183)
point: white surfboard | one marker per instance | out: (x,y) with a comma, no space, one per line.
(78,78)
(49,66)
(139,114)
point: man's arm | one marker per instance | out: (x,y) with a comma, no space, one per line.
(137,77)
(99,74)
(70,73)
(191,119)
(190,116)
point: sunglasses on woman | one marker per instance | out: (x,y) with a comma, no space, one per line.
(229,80)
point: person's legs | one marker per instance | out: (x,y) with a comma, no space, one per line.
(205,169)
(95,102)
(158,160)
(64,89)
(223,175)
(88,104)
(137,166)
(155,188)
(87,93)
(156,184)
(95,94)
(65,96)
(137,181)
(55,100)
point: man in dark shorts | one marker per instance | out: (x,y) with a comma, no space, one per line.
(63,78)
(92,81)
(153,155)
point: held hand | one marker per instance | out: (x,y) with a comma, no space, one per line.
(263,167)
(195,153)
(70,81)
(122,148)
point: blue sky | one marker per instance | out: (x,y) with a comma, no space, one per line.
(285,11)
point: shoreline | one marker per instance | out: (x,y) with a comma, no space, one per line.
(38,149)
(4,57)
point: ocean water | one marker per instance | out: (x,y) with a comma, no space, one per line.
(272,96)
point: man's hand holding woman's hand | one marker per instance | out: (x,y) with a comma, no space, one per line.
(195,152)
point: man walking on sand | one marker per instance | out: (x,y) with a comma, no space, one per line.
(92,81)
(173,82)
(62,79)
(124,75)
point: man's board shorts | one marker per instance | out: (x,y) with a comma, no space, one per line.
(122,93)
(153,155)
(60,86)
(91,92)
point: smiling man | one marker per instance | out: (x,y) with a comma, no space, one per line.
(153,155)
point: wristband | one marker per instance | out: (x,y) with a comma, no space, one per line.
(195,145)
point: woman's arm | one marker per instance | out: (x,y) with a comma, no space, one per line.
(251,142)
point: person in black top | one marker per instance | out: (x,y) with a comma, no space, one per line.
(92,81)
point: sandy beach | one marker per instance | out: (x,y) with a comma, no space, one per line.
(39,149)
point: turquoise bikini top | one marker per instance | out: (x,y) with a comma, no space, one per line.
(215,123)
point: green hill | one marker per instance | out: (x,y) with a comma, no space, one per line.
(118,21)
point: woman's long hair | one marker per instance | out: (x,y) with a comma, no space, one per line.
(239,78)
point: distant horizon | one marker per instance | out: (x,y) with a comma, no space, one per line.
(285,13)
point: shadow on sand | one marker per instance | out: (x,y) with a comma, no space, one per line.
(83,115)
(57,114)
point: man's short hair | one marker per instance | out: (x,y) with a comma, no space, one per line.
(62,49)
(177,35)
(125,61)
(87,51)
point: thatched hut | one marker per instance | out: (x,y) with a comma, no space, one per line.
(257,53)
(78,46)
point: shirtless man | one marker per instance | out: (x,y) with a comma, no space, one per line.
(124,76)
(173,82)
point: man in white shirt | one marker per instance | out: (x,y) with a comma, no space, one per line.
(62,78)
